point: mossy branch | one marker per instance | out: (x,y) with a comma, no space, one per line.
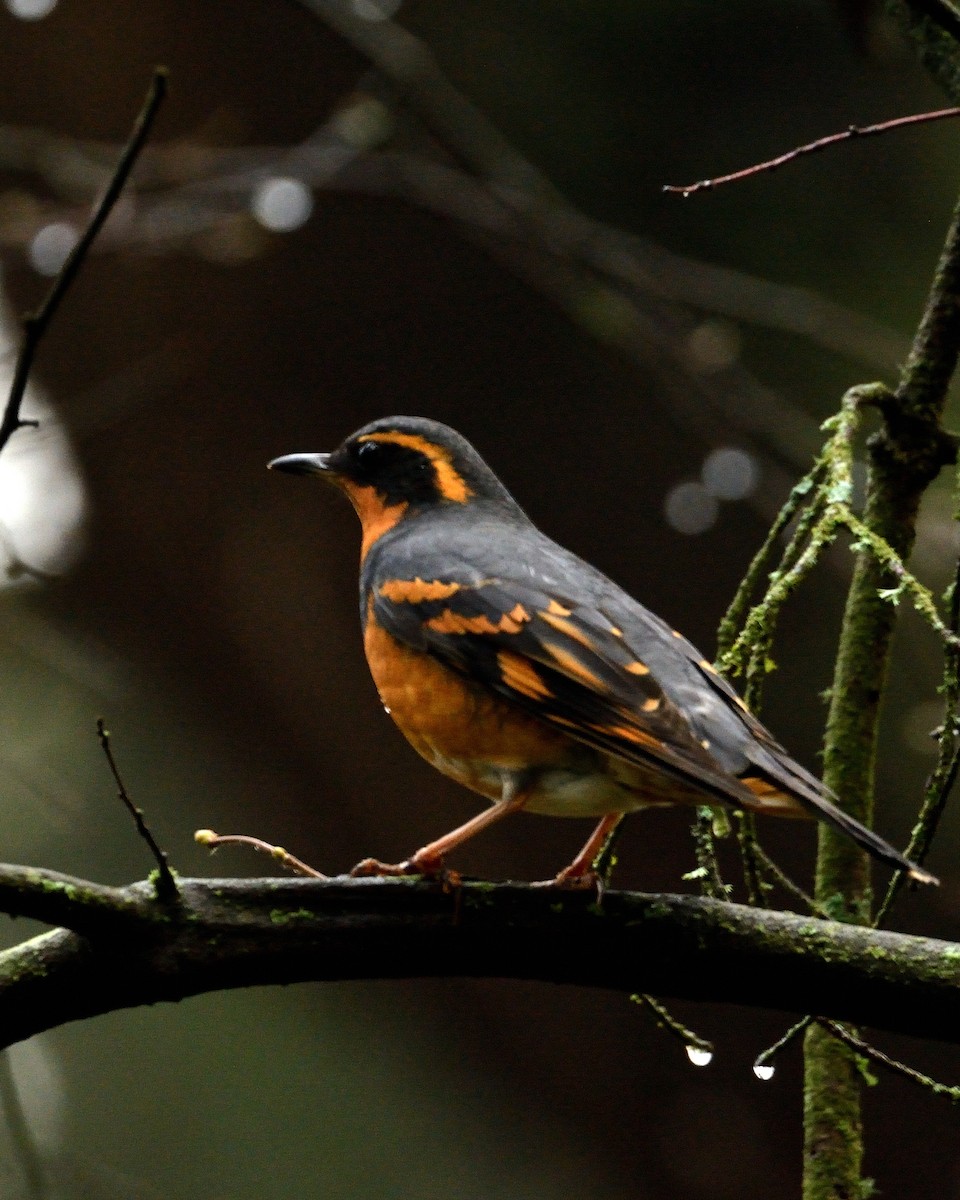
(122,947)
(904,456)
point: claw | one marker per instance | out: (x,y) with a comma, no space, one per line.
(373,866)
(571,880)
(430,868)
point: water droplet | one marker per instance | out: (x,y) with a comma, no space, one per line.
(763,1070)
(699,1056)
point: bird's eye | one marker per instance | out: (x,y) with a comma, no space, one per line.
(368,454)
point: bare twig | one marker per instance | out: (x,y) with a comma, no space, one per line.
(852,131)
(166,883)
(762,1061)
(872,1054)
(296,866)
(694,1043)
(35,325)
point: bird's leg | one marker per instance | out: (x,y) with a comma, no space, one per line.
(428,860)
(580,873)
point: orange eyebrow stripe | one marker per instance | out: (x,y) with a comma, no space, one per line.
(567,627)
(573,666)
(522,676)
(414,591)
(450,483)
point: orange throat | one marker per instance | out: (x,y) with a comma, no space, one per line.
(376,518)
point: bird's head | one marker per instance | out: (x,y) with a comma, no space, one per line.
(401,466)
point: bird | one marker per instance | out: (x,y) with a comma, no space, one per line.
(526,674)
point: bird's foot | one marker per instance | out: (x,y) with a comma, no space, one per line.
(373,866)
(430,868)
(574,879)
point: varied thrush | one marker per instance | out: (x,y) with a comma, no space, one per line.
(521,671)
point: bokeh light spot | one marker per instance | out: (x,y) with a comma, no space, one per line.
(375,10)
(690,508)
(364,123)
(50,246)
(41,504)
(31,10)
(713,346)
(282,205)
(730,474)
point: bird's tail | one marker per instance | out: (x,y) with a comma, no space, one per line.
(809,794)
(872,842)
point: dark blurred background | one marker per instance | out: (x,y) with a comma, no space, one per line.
(307,248)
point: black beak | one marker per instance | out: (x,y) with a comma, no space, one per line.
(301,464)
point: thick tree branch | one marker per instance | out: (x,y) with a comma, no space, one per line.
(123,947)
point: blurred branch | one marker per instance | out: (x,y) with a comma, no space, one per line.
(457,123)
(615,286)
(35,325)
(122,947)
(27,1153)
(186,190)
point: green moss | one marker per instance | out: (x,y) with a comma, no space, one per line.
(285,916)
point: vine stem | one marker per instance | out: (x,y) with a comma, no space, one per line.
(905,456)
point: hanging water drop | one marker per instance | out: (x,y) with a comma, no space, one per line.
(763,1070)
(699,1056)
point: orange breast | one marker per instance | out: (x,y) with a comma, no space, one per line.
(458,727)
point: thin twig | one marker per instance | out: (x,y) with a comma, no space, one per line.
(944,774)
(35,325)
(166,883)
(888,558)
(606,860)
(872,1054)
(740,605)
(852,131)
(708,868)
(697,1047)
(794,889)
(780,1044)
(213,842)
(750,857)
